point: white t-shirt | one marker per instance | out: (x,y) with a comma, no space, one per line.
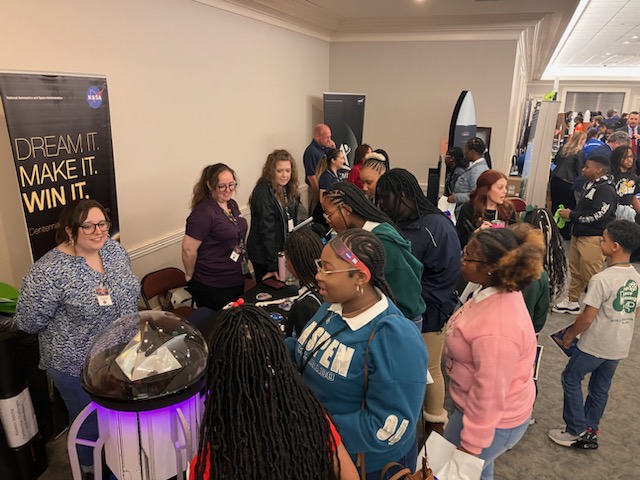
(614,292)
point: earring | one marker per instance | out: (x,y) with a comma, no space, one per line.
(71,241)
(489,273)
(359,289)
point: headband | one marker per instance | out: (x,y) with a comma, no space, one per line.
(346,254)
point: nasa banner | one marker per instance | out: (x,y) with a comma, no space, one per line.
(344,114)
(60,134)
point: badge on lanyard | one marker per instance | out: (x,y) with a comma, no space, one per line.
(290,225)
(103,296)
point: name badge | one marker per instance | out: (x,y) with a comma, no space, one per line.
(290,225)
(103,296)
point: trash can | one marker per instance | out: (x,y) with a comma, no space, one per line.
(144,374)
(22,450)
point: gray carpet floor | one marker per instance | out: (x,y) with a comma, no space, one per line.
(536,456)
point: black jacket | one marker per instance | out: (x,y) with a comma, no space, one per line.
(595,209)
(268,226)
(568,168)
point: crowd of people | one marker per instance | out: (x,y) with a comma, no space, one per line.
(377,313)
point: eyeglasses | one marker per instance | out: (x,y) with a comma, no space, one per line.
(467,259)
(89,228)
(327,216)
(229,186)
(321,269)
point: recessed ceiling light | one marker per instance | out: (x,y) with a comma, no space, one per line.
(626,43)
(635,37)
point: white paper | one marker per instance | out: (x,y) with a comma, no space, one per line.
(449,463)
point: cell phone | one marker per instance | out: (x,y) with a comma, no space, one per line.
(273,283)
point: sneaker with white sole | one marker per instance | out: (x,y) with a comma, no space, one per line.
(566,307)
(588,440)
(562,437)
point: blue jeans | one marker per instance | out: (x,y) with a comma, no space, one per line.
(578,415)
(503,440)
(409,460)
(75,399)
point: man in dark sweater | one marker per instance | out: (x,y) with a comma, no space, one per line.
(595,209)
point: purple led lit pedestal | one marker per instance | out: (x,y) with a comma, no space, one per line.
(144,374)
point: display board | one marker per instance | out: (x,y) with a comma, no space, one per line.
(60,132)
(344,114)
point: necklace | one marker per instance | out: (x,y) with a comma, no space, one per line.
(360,310)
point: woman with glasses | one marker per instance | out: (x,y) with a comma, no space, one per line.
(213,247)
(363,359)
(625,181)
(345,206)
(72,293)
(274,212)
(491,345)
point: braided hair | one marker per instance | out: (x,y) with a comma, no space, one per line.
(477,145)
(368,248)
(404,187)
(516,253)
(555,260)
(347,194)
(260,418)
(302,248)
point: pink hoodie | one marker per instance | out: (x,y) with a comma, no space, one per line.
(489,354)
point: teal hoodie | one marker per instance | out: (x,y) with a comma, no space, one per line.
(402,270)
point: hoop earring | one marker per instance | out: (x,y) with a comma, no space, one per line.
(359,289)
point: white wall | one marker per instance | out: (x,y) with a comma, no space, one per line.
(190,85)
(412,88)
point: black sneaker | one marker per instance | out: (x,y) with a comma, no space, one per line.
(588,440)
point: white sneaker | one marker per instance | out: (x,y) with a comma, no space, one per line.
(562,437)
(567,307)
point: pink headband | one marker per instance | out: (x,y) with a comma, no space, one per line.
(346,254)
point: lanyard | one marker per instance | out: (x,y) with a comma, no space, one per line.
(229,213)
(303,363)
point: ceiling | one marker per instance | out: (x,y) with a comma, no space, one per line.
(583,39)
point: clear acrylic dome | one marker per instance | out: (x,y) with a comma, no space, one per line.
(144,361)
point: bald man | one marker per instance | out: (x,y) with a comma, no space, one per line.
(314,152)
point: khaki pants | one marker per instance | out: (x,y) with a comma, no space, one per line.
(434,399)
(585,260)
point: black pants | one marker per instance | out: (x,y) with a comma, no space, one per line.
(213,297)
(562,193)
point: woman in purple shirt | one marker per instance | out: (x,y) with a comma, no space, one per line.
(213,248)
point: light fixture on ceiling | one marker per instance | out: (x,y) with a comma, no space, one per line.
(635,37)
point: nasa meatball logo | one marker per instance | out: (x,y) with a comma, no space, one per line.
(94,96)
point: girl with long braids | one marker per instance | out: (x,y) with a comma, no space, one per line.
(260,419)
(274,212)
(301,249)
(363,359)
(345,206)
(491,345)
(434,242)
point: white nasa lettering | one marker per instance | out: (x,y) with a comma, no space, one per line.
(342,360)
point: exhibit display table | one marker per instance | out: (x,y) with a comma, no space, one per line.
(144,374)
